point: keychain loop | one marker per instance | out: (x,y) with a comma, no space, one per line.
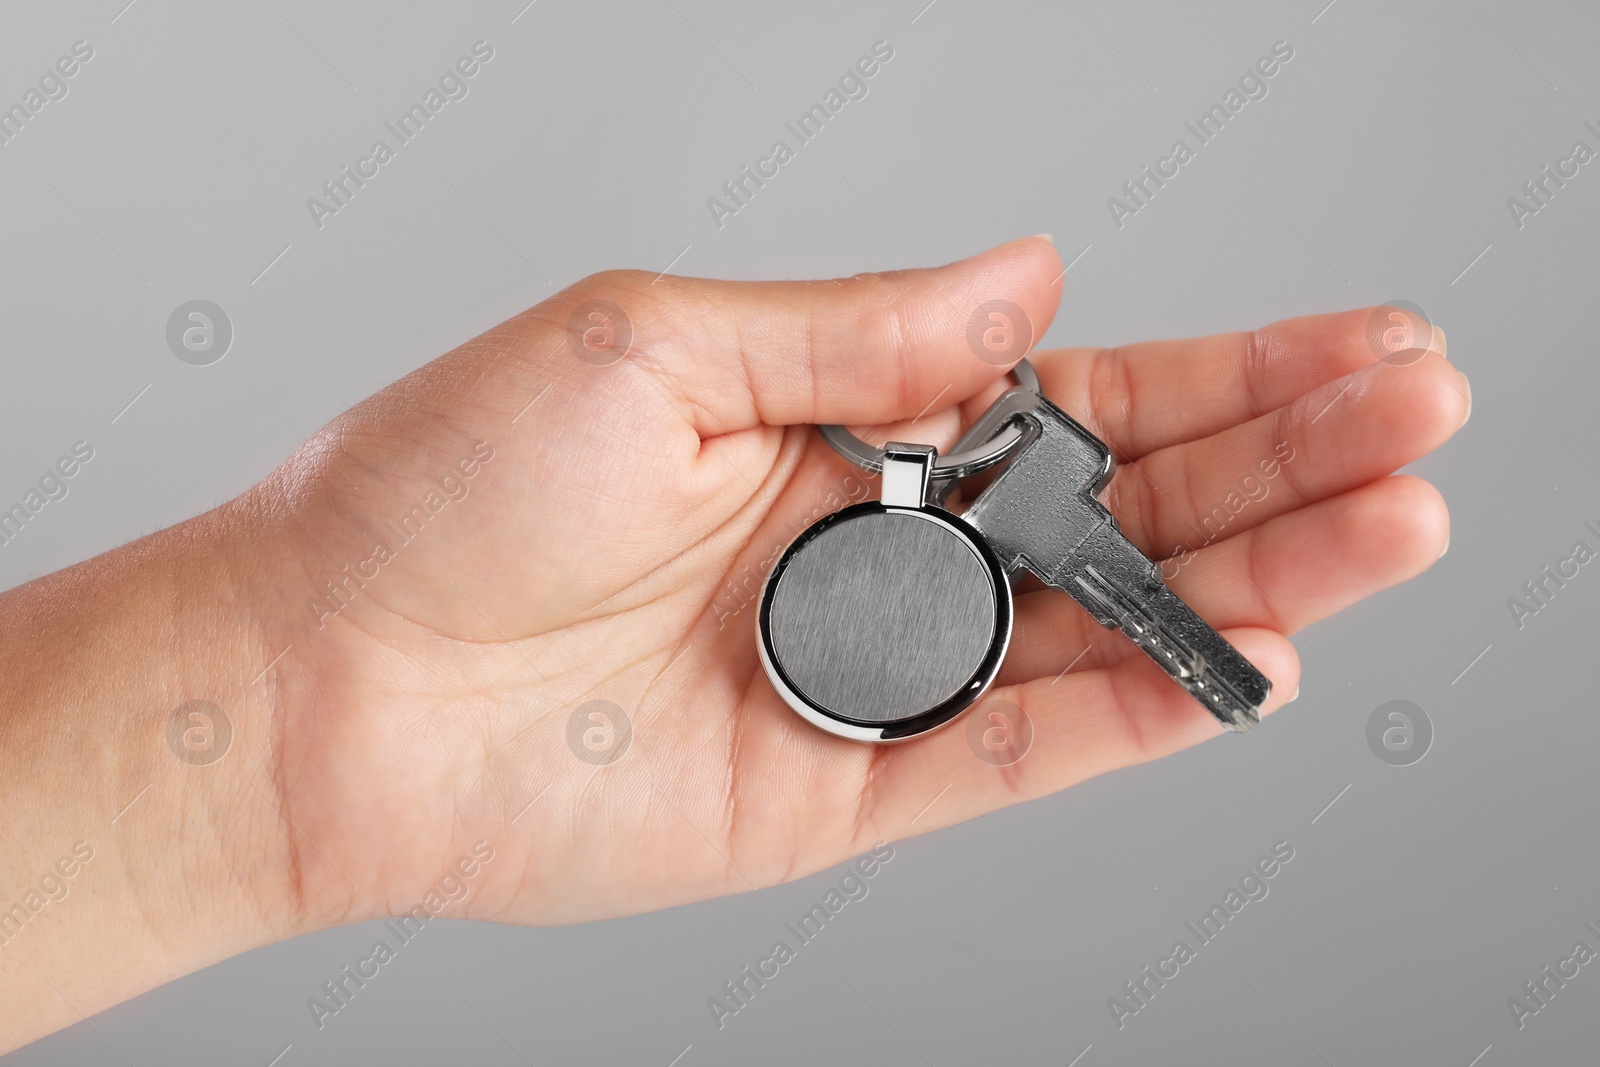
(945,468)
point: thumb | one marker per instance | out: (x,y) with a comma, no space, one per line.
(870,349)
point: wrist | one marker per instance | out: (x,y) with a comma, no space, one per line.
(143,805)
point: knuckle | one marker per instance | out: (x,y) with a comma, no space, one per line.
(612,281)
(892,322)
(1288,429)
(1255,560)
(1110,390)
(1258,354)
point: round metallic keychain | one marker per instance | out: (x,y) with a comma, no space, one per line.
(889,618)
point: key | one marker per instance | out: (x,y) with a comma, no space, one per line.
(889,618)
(1042,513)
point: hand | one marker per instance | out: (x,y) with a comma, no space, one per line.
(613,546)
(453,569)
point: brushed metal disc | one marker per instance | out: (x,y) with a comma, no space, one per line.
(883,616)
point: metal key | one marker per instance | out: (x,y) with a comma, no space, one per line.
(1042,513)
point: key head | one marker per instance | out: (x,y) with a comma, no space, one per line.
(1045,503)
(883,622)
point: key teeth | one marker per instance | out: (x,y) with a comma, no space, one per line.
(1242,721)
(1235,702)
(1234,709)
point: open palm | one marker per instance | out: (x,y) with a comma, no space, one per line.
(518,585)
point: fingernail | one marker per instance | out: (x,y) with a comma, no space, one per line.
(1438,344)
(1293,696)
(1466,391)
(1443,550)
(1045,237)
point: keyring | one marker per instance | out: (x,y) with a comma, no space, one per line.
(946,468)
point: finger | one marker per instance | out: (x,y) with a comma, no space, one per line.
(1087,724)
(869,349)
(1284,575)
(1332,439)
(1151,395)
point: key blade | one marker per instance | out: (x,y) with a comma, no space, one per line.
(1181,643)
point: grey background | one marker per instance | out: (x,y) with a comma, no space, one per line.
(1378,167)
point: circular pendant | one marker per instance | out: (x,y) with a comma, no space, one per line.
(883,622)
